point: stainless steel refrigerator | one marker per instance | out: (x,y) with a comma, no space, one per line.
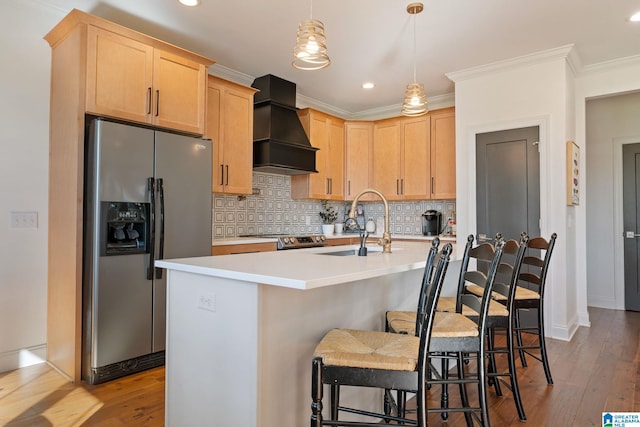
(147,197)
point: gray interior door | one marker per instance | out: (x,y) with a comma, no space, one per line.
(508,183)
(631,200)
(508,188)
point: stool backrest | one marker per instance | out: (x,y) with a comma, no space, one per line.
(539,264)
(432,294)
(464,265)
(509,269)
(493,255)
(426,278)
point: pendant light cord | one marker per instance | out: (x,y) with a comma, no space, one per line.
(414,48)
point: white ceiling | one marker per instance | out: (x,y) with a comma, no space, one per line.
(372,40)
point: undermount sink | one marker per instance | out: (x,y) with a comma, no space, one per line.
(353,251)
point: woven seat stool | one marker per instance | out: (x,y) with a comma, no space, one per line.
(376,359)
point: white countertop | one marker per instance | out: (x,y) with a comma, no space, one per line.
(307,268)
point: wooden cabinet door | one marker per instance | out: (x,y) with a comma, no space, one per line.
(178,92)
(358,158)
(415,135)
(119,76)
(237,133)
(230,127)
(326,133)
(319,138)
(443,155)
(386,158)
(335,164)
(212,131)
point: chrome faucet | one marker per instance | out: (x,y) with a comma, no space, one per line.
(385,242)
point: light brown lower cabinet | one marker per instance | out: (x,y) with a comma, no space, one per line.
(243,248)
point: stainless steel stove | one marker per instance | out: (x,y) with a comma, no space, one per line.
(286,241)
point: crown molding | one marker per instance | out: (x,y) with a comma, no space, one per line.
(47,5)
(232,75)
(562,52)
(433,102)
(614,64)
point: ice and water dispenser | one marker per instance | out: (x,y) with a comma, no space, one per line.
(125,228)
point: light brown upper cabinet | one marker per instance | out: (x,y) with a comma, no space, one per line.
(230,127)
(133,81)
(386,158)
(358,159)
(401,157)
(443,154)
(326,133)
(101,68)
(414,157)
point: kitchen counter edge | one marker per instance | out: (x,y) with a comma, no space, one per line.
(306,268)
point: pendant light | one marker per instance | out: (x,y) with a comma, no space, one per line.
(415,98)
(310,52)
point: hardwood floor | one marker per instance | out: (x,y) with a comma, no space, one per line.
(597,371)
(37,396)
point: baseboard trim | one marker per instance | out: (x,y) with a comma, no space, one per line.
(15,359)
(564,332)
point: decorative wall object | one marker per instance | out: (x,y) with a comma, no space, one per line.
(573,174)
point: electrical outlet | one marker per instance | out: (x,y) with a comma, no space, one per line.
(23,219)
(207,302)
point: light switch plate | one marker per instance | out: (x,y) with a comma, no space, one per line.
(23,219)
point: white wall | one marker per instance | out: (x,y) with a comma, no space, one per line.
(604,126)
(24,142)
(533,90)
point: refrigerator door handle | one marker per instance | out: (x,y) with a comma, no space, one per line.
(152,222)
(161,246)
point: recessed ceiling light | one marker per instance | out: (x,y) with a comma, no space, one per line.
(368,85)
(190,2)
(635,17)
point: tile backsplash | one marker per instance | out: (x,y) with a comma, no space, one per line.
(272,211)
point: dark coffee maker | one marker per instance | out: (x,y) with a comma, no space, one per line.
(431,223)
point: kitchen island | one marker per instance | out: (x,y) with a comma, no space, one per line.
(241,329)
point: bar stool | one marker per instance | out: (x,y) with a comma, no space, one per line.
(530,295)
(376,359)
(502,318)
(346,357)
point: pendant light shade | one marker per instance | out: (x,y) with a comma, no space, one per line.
(415,98)
(310,52)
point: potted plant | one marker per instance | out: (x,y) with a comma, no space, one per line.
(329,216)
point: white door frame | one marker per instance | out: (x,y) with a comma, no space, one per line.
(618,223)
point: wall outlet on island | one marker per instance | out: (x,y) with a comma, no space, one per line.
(207,302)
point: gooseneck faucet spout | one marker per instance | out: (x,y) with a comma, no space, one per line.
(385,242)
